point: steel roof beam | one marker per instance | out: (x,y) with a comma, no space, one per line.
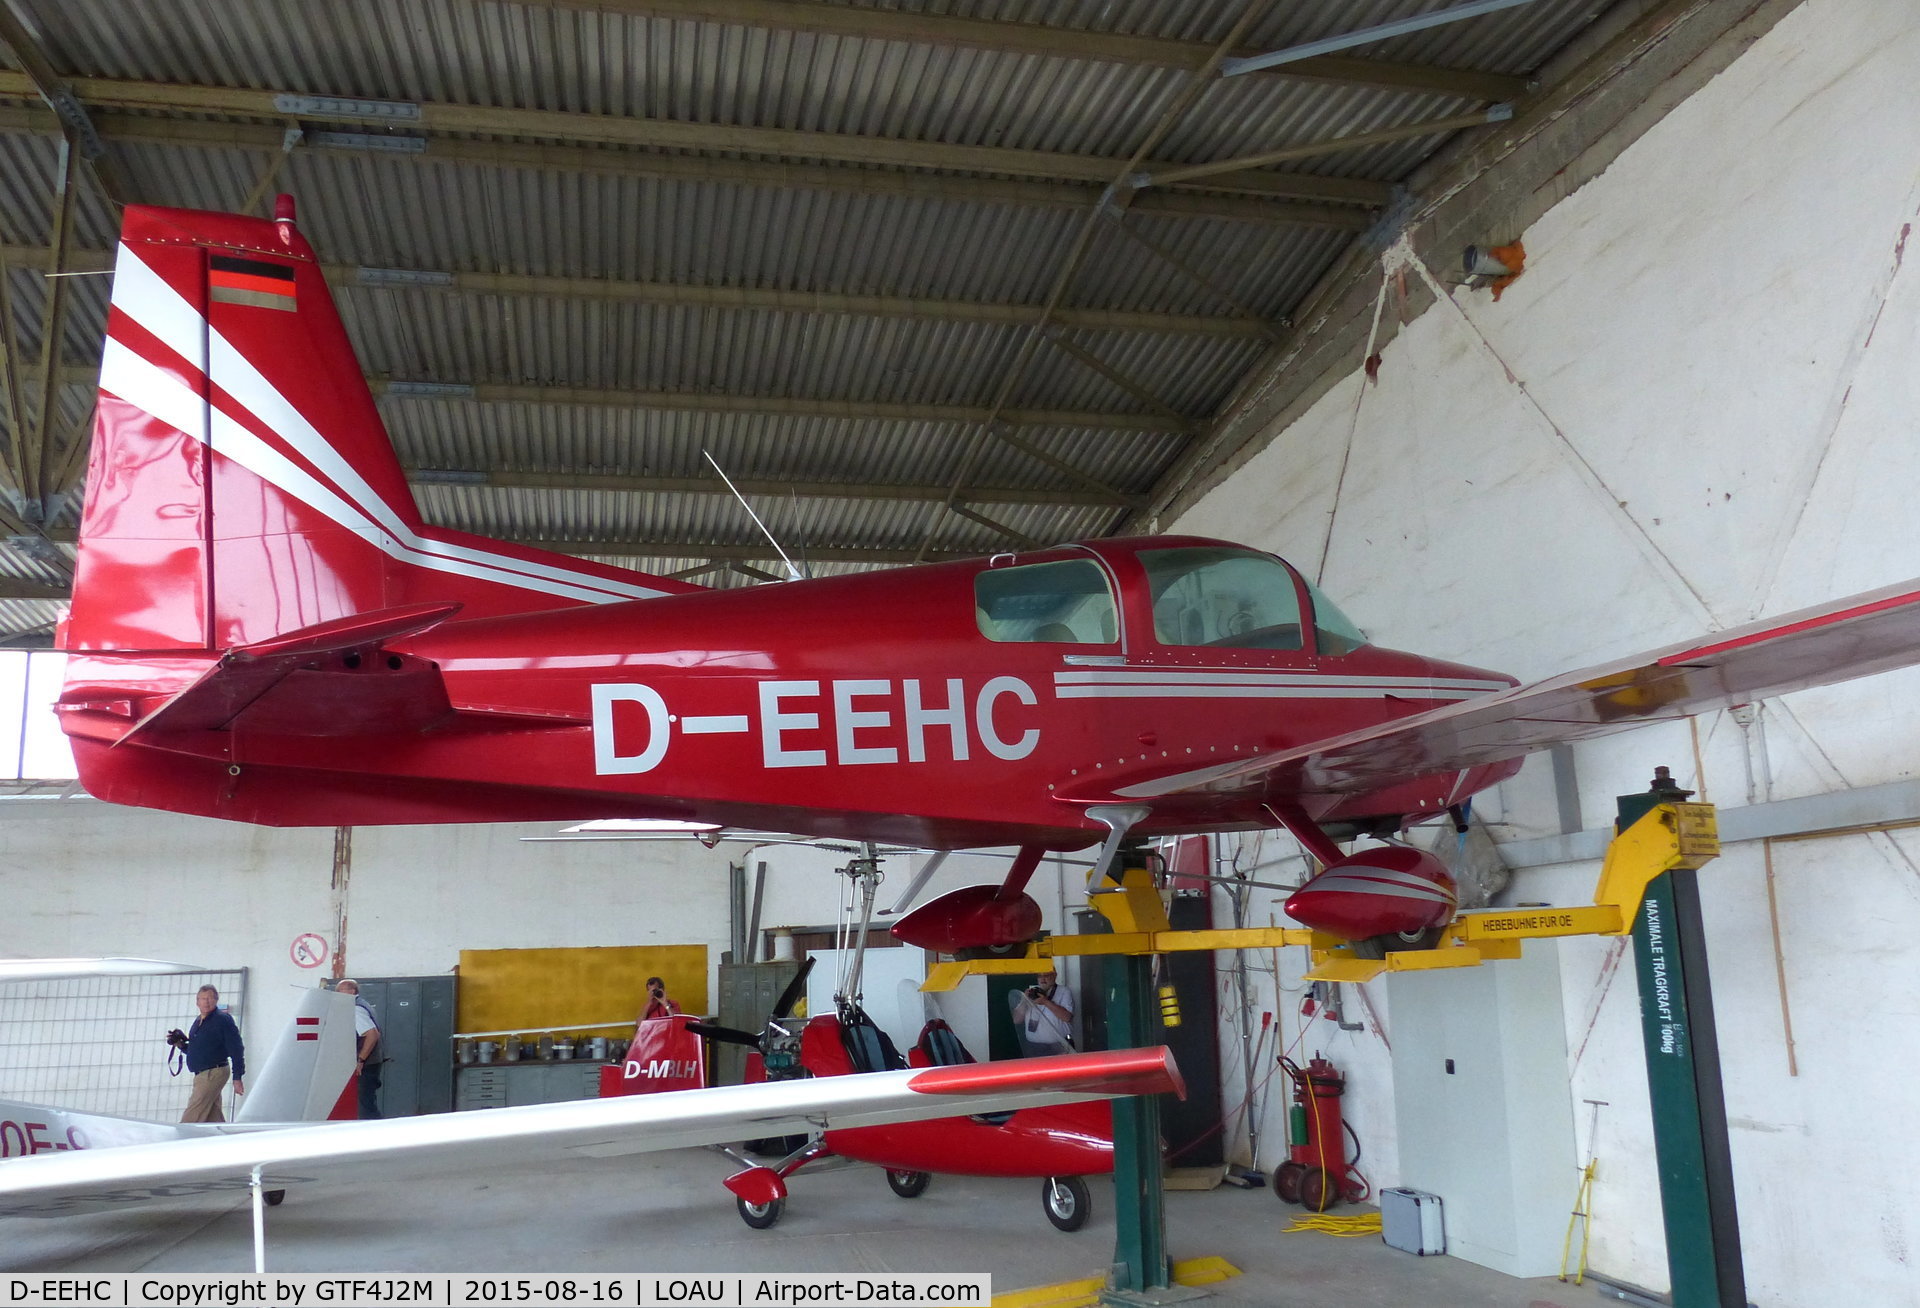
(1046,42)
(1019,538)
(719,297)
(750,172)
(76,125)
(1101,368)
(1306,52)
(786,406)
(35,453)
(676,401)
(506,478)
(600,130)
(1496,113)
(13,588)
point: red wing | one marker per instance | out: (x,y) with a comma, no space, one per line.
(1848,638)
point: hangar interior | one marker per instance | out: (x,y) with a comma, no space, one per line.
(938,280)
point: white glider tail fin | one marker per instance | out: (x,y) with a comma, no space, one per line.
(309,1068)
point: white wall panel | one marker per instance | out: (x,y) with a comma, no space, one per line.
(1722,327)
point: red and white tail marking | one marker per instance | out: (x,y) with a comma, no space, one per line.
(236,438)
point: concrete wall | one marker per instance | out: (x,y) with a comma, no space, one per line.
(1711,415)
(81,878)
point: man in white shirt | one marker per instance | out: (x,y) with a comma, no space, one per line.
(1044,1014)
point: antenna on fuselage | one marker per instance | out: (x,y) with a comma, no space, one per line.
(793,573)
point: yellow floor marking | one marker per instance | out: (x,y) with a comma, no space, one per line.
(1079,1294)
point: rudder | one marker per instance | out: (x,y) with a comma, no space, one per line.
(241,483)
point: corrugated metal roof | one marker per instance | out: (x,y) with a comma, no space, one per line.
(665,216)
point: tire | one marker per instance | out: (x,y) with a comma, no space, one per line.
(760,1216)
(908,1185)
(1066,1201)
(1012,950)
(274,1198)
(1286,1181)
(1381,946)
(1319,1192)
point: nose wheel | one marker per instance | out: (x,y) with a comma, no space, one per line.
(908,1185)
(1066,1201)
(760,1216)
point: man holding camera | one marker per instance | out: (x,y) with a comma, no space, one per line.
(210,1044)
(1044,1014)
(657,1005)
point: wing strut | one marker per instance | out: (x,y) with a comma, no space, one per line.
(1305,830)
(1118,819)
(259,1222)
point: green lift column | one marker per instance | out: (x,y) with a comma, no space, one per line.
(1683,1079)
(1139,1203)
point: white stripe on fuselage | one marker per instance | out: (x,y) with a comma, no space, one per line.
(1331,690)
(1235,677)
(1221,683)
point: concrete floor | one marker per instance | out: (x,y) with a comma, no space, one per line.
(668,1213)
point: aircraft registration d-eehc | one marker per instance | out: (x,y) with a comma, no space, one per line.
(263,629)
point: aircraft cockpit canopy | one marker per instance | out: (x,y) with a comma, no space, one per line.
(1211,595)
(1202,595)
(1066,602)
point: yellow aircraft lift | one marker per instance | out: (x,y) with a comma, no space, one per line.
(1658,834)
(1668,836)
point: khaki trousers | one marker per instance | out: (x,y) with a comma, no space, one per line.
(205,1104)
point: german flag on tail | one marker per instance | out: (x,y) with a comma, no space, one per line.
(260,283)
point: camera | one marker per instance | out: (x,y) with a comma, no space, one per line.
(1034,992)
(657,991)
(177,1038)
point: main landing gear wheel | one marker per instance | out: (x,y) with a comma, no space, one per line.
(274,1198)
(1394,942)
(1286,1181)
(760,1216)
(1066,1200)
(1318,1191)
(1012,950)
(908,1185)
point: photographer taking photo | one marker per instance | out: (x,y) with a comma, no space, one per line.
(212,1042)
(657,1004)
(1044,1014)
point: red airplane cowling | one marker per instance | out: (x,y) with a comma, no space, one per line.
(1395,890)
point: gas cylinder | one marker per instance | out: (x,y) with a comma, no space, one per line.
(1316,1173)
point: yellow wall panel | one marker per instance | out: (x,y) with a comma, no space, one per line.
(535,989)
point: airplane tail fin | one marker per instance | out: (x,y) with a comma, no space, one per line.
(241,485)
(310,1070)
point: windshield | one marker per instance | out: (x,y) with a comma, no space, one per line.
(1067,602)
(1333,630)
(1205,595)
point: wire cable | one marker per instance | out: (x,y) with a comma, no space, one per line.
(1346,1226)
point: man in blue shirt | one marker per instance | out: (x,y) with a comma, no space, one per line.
(212,1042)
(366,1030)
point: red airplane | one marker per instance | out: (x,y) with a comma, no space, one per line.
(264,630)
(1057,1144)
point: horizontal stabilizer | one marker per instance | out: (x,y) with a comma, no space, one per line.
(334,678)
